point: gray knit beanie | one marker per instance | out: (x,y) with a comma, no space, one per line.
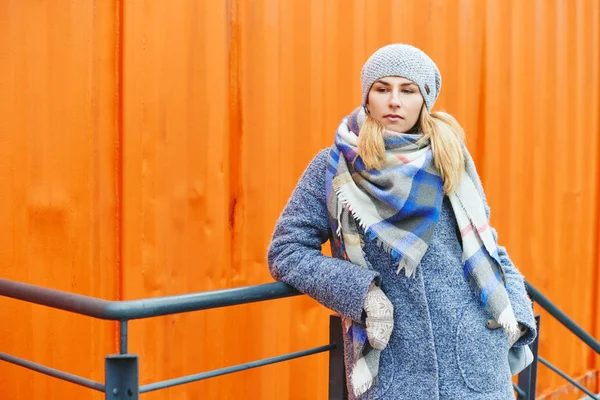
(408,62)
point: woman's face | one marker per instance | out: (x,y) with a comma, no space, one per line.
(395,102)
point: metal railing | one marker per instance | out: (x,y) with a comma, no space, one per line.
(121,370)
(528,378)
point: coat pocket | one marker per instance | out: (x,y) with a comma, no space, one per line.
(481,353)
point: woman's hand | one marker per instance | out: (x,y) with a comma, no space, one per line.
(380,317)
(512,338)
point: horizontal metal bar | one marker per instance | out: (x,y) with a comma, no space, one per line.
(65,376)
(236,368)
(519,391)
(568,378)
(136,309)
(54,298)
(145,308)
(563,318)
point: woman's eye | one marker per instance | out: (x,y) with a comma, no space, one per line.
(382,90)
(407,91)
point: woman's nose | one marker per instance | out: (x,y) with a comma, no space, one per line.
(394,99)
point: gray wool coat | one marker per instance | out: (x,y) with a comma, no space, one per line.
(440,347)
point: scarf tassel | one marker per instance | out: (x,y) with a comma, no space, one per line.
(400,260)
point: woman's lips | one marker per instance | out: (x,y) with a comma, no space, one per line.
(393,118)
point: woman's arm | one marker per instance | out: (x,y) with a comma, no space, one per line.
(515,286)
(515,282)
(295,256)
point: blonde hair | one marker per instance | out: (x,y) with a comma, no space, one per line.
(441,128)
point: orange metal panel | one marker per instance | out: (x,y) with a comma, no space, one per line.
(58,173)
(179,225)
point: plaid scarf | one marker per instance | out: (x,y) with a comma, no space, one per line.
(399,207)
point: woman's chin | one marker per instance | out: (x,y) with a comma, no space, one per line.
(396,128)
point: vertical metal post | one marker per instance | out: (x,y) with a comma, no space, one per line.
(337,374)
(528,377)
(123,337)
(122,377)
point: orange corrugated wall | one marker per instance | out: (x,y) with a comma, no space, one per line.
(147,148)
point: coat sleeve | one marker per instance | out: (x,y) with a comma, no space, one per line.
(515,286)
(295,257)
(515,282)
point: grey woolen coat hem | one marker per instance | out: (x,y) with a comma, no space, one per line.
(441,347)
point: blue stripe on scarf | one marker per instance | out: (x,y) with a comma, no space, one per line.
(396,141)
(358,163)
(412,210)
(353,123)
(404,244)
(358,334)
(409,206)
(334,158)
(425,225)
(472,262)
(332,164)
(490,288)
(349,153)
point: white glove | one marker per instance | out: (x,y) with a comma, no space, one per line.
(380,317)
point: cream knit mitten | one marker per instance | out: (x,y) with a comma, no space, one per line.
(380,317)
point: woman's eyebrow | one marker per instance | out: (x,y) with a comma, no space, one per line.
(382,82)
(389,84)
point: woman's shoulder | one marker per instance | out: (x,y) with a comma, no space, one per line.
(318,164)
(309,195)
(321,158)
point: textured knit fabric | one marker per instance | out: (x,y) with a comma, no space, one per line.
(380,317)
(440,347)
(408,62)
(399,207)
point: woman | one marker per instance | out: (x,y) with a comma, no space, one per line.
(432,307)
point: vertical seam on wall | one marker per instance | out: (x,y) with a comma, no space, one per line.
(119,11)
(596,258)
(235,134)
(481,125)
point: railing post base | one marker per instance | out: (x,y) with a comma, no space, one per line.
(122,377)
(337,372)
